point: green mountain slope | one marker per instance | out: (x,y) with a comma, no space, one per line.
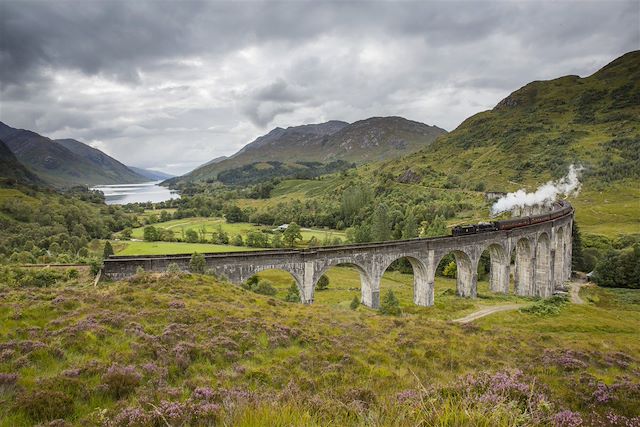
(12,171)
(535,133)
(66,163)
(369,140)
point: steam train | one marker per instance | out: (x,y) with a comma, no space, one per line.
(560,209)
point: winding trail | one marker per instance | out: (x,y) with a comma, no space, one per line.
(487,311)
(574,291)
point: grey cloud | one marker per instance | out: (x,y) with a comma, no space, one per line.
(182,82)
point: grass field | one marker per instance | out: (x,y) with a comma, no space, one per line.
(165,248)
(212,225)
(610,213)
(189,350)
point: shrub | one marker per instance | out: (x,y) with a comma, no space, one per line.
(323,283)
(197,263)
(121,381)
(45,405)
(355,303)
(264,287)
(39,278)
(96,266)
(72,273)
(390,304)
(173,268)
(450,270)
(547,306)
(293,294)
(108,250)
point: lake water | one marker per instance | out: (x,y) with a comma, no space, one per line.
(122,194)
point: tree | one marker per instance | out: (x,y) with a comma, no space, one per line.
(150,233)
(237,240)
(577,255)
(323,283)
(380,229)
(126,233)
(191,236)
(165,216)
(108,250)
(233,213)
(293,293)
(410,227)
(291,234)
(451,270)
(355,303)
(276,240)
(197,263)
(437,227)
(390,304)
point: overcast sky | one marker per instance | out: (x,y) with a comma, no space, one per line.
(171,85)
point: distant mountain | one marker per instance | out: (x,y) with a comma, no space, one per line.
(65,162)
(13,171)
(369,140)
(152,175)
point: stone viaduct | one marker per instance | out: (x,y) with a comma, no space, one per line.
(541,253)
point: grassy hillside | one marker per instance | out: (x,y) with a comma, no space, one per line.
(13,171)
(369,140)
(535,133)
(190,350)
(65,163)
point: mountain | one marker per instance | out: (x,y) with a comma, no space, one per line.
(65,162)
(153,175)
(12,170)
(369,140)
(536,132)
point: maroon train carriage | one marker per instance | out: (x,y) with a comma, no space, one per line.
(561,208)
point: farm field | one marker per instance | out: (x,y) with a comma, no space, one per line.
(123,247)
(211,225)
(191,350)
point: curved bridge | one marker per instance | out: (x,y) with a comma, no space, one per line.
(541,254)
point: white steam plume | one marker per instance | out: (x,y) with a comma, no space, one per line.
(545,195)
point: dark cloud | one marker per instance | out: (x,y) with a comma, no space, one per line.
(177,83)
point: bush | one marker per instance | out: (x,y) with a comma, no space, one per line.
(173,268)
(450,270)
(323,283)
(72,273)
(120,381)
(197,263)
(45,405)
(390,304)
(548,306)
(264,287)
(619,269)
(39,278)
(355,303)
(293,293)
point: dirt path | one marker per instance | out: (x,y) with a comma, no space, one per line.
(487,311)
(574,291)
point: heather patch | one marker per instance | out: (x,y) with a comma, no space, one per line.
(133,354)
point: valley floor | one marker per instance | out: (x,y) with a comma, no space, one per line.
(190,350)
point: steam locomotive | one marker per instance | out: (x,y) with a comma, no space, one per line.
(561,209)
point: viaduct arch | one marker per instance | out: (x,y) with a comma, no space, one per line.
(542,262)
